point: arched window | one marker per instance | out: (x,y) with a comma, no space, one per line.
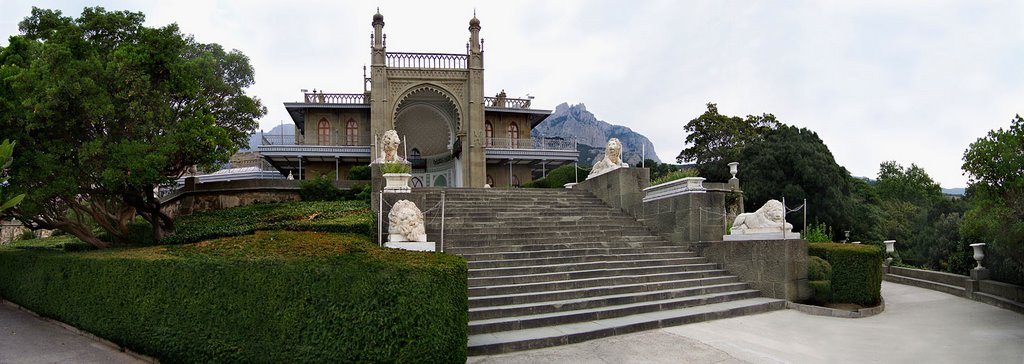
(323,132)
(417,182)
(513,135)
(515,180)
(352,133)
(488,133)
(490,181)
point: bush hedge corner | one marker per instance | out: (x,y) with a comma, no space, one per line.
(856,271)
(193,304)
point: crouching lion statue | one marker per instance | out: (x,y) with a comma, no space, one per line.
(405,223)
(768,218)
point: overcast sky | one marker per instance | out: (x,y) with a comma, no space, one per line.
(910,81)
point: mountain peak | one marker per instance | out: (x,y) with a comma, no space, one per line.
(576,123)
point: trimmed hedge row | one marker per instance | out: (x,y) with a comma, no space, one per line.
(339,217)
(354,303)
(856,271)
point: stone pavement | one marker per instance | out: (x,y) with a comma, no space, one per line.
(917,326)
(26,338)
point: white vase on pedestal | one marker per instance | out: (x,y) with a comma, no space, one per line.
(979,253)
(397,182)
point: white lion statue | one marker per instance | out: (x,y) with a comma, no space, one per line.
(405,223)
(768,218)
(612,159)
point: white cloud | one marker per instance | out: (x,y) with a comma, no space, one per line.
(914,82)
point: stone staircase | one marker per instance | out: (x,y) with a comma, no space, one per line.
(555,267)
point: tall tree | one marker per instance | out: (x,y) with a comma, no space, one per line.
(912,204)
(713,140)
(105,109)
(6,153)
(794,163)
(995,168)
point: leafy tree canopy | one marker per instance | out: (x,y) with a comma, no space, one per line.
(713,140)
(6,202)
(793,163)
(104,109)
(911,184)
(995,168)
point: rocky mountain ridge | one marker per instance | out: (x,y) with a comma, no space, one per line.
(571,122)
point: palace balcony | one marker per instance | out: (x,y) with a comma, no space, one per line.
(426,60)
(541,154)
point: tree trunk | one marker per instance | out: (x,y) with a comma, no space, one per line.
(84,234)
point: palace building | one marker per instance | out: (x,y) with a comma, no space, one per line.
(452,134)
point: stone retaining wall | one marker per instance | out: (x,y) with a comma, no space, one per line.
(777,268)
(199,197)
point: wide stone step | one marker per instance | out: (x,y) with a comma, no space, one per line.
(554,235)
(504,263)
(591,282)
(535,338)
(573,226)
(478,221)
(575,252)
(543,307)
(524,278)
(578,293)
(606,312)
(574,267)
(462,250)
(567,239)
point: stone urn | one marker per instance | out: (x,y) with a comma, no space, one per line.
(397,182)
(979,253)
(890,248)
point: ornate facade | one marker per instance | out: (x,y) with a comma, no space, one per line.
(452,133)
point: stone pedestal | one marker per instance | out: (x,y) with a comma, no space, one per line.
(980,274)
(778,235)
(427,246)
(777,268)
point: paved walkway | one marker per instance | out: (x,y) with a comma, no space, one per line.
(28,339)
(918,326)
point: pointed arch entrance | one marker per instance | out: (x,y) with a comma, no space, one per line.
(428,119)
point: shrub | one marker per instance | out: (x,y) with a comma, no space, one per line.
(856,271)
(319,189)
(359,173)
(27,235)
(819,275)
(558,177)
(358,192)
(395,168)
(818,233)
(818,269)
(350,217)
(675,175)
(822,292)
(273,297)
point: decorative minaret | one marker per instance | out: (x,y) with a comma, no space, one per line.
(472,136)
(378,79)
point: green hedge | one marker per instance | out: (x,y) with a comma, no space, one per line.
(351,302)
(856,271)
(819,277)
(339,217)
(558,177)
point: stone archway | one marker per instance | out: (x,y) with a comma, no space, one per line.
(429,119)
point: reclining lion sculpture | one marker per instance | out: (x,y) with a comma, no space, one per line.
(768,218)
